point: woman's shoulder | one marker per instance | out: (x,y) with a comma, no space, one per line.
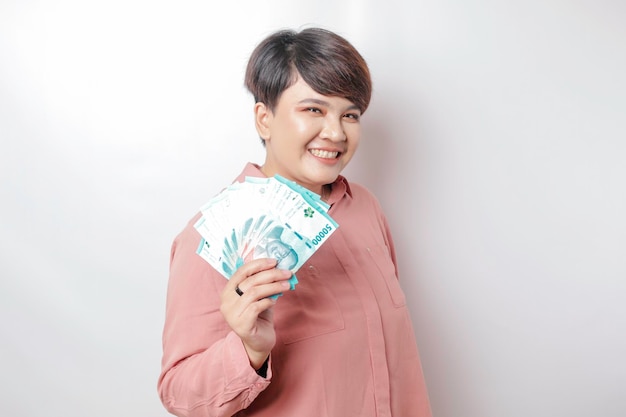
(188,234)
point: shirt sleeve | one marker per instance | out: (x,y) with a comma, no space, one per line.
(205,369)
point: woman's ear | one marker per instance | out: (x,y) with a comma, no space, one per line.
(262,120)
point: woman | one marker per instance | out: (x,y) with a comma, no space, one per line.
(342,343)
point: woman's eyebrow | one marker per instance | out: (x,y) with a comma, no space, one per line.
(314,101)
(324,103)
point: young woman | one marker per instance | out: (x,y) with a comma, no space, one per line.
(341,344)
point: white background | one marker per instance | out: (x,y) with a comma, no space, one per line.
(495,142)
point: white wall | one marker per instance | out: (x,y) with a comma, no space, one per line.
(495,142)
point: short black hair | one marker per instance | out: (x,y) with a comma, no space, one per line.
(327,62)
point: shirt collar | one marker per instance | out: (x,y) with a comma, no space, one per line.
(250,170)
(340,187)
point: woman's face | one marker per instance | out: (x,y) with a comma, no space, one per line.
(309,137)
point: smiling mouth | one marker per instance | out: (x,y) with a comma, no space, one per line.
(324,154)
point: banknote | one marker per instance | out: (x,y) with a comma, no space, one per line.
(263,218)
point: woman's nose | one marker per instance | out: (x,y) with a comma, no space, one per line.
(333,130)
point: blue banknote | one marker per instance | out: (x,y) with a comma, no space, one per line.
(263,218)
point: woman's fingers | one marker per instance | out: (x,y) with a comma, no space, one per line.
(255,277)
(249,269)
(249,290)
(248,311)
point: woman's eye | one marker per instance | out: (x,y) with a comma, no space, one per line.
(352,116)
(314,110)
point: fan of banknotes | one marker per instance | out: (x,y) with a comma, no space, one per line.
(263,218)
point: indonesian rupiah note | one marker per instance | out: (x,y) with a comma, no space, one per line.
(263,217)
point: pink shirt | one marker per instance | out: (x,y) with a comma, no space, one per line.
(345,343)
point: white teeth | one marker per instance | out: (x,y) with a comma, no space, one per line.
(324,154)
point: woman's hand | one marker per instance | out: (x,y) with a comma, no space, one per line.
(250,314)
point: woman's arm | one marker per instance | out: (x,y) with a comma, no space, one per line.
(205,368)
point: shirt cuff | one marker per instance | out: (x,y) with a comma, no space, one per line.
(238,370)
